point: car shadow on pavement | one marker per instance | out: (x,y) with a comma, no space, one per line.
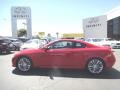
(52,73)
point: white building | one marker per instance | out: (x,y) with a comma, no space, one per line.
(105,26)
(23,13)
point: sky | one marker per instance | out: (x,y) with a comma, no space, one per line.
(51,16)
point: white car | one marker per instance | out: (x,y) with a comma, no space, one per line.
(115,45)
(33,43)
(104,42)
(98,41)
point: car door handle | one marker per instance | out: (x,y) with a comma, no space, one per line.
(68,52)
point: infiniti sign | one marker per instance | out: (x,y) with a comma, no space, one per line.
(93,20)
(95,27)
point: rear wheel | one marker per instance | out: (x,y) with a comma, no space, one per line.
(24,64)
(95,66)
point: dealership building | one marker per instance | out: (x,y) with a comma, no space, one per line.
(104,26)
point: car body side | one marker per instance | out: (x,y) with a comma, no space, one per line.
(67,58)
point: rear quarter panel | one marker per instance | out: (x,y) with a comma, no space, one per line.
(94,53)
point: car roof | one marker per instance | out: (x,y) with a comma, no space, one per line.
(70,40)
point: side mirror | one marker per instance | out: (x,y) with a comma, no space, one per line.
(45,48)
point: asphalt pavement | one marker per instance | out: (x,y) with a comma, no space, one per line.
(57,79)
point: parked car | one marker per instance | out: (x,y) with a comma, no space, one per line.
(66,54)
(33,43)
(98,41)
(23,39)
(4,46)
(115,45)
(16,43)
(104,42)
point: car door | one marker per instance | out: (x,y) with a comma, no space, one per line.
(73,55)
(59,53)
(57,57)
(53,56)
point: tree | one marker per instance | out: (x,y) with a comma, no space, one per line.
(22,32)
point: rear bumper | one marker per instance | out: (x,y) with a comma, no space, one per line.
(109,61)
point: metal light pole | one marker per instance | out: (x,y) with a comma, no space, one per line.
(57,35)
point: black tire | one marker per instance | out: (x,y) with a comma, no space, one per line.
(24,64)
(0,51)
(95,66)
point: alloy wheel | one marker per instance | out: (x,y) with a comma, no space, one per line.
(24,64)
(95,66)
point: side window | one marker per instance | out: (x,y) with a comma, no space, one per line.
(58,45)
(79,45)
(61,44)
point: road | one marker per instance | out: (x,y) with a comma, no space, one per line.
(47,79)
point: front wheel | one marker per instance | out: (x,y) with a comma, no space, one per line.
(95,66)
(24,64)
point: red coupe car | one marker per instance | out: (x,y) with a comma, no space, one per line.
(66,53)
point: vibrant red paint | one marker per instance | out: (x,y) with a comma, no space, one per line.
(66,57)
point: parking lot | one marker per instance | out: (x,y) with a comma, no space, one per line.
(47,79)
